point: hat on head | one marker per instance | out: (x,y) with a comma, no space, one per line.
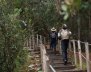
(53,29)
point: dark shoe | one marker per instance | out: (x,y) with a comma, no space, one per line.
(65,62)
(55,52)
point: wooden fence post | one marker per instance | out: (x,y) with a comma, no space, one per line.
(80,57)
(41,51)
(40,39)
(30,43)
(87,57)
(44,40)
(33,41)
(74,47)
(59,47)
(44,58)
(37,40)
(70,46)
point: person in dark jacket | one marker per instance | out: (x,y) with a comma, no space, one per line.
(53,39)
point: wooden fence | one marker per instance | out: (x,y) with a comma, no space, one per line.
(80,59)
(81,54)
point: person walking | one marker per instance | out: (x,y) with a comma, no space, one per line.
(53,39)
(64,34)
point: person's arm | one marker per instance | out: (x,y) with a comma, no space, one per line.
(59,35)
(70,34)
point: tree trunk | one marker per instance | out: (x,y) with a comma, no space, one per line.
(58,3)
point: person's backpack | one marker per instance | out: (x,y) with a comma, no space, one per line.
(65,34)
(53,35)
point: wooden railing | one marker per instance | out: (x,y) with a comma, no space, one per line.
(81,58)
(44,58)
(46,67)
(36,42)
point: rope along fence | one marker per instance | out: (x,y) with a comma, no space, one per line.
(81,57)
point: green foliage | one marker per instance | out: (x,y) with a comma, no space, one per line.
(44,16)
(21,60)
(19,18)
(12,53)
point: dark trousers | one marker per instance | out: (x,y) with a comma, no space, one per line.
(53,44)
(64,45)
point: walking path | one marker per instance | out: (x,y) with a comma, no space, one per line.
(57,63)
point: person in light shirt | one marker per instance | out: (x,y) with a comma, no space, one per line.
(64,34)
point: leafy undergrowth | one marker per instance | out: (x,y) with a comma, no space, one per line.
(32,65)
